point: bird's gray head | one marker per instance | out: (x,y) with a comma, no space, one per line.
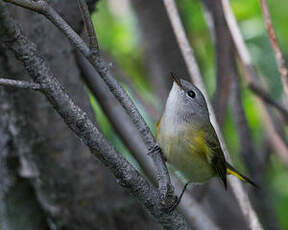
(186,103)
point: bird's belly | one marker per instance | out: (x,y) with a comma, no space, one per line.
(188,156)
(192,165)
(190,161)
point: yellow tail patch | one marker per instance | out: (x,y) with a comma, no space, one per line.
(229,171)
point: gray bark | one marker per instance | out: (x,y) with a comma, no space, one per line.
(74,190)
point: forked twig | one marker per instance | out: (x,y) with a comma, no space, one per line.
(82,126)
(97,62)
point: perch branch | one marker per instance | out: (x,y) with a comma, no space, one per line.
(274,43)
(189,207)
(164,183)
(194,71)
(19,84)
(83,127)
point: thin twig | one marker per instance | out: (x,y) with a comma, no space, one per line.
(164,183)
(83,127)
(268,99)
(274,43)
(251,77)
(194,71)
(19,84)
(93,43)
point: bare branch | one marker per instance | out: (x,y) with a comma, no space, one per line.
(252,78)
(274,43)
(83,127)
(267,98)
(19,84)
(164,183)
(31,5)
(194,71)
(93,43)
(224,53)
(252,161)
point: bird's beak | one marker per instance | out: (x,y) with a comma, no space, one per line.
(176,80)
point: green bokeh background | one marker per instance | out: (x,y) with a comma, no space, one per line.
(118,36)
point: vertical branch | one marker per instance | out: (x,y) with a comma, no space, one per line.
(194,71)
(224,54)
(251,78)
(93,43)
(274,43)
(260,198)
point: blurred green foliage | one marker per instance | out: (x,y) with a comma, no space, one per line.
(119,36)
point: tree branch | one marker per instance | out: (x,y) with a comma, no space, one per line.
(163,178)
(274,43)
(93,43)
(19,84)
(254,165)
(266,98)
(82,126)
(194,71)
(224,53)
(251,78)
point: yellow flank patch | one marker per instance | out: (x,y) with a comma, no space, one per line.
(157,127)
(229,171)
(198,144)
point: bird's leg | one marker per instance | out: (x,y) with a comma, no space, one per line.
(176,203)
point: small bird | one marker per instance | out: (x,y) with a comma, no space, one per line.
(187,138)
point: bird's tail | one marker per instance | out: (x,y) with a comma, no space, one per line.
(231,170)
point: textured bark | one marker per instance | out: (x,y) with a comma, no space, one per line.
(162,54)
(73,189)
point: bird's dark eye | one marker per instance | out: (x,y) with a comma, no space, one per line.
(191,93)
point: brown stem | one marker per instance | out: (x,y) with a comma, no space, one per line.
(274,43)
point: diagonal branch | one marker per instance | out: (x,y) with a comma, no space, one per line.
(274,43)
(267,99)
(251,77)
(19,84)
(164,183)
(194,71)
(93,43)
(127,176)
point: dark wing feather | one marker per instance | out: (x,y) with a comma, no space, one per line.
(216,158)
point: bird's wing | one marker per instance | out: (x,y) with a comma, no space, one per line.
(216,156)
